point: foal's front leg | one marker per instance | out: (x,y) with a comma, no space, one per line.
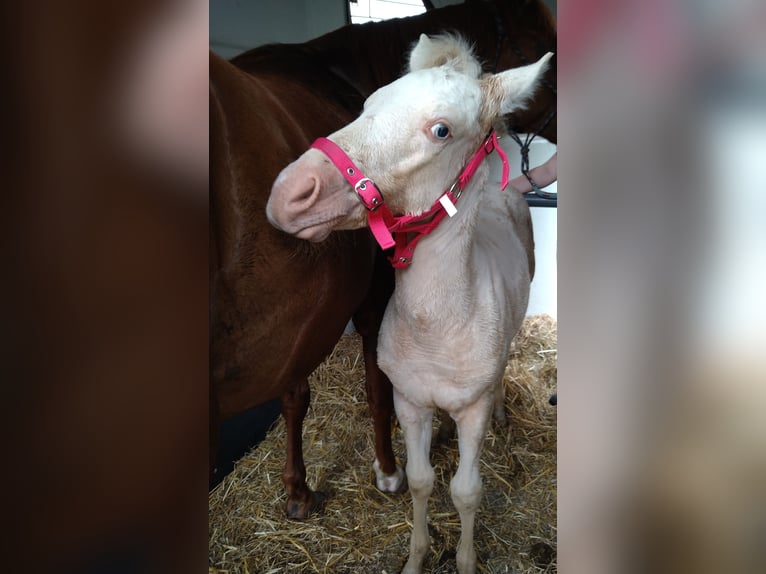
(416,424)
(466,484)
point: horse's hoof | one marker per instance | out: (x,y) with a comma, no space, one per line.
(301,509)
(395,484)
(392,483)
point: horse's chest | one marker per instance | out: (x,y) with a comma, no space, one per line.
(432,366)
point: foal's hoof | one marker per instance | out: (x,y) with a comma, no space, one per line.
(301,509)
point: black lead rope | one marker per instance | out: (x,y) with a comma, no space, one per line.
(524,149)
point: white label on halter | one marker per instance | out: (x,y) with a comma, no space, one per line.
(449,207)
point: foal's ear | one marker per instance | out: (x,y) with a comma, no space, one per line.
(508,91)
(422,55)
(445,49)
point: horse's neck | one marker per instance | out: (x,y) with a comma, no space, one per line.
(442,266)
(371,55)
(366,57)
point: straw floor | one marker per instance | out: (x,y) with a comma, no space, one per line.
(361,530)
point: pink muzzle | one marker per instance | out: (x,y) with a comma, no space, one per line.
(403,232)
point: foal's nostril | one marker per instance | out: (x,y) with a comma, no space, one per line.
(306,196)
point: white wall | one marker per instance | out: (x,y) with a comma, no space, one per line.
(239,25)
(376,10)
(543,297)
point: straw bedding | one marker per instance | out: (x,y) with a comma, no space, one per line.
(360,529)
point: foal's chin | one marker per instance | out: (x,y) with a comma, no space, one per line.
(308,230)
(315,234)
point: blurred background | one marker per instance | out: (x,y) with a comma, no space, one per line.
(105,320)
(661,252)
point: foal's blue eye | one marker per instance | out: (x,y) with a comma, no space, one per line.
(440,131)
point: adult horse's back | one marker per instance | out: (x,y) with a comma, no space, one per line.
(279,304)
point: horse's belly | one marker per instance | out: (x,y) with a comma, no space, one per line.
(271,330)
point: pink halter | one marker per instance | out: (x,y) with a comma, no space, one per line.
(397,231)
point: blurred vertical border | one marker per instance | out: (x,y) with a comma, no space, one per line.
(104,287)
(662,386)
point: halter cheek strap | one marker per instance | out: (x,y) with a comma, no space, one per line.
(489,145)
(365,189)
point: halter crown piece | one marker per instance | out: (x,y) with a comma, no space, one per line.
(403,232)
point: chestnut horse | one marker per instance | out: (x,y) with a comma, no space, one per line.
(280,304)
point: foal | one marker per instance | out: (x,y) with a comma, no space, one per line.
(461,296)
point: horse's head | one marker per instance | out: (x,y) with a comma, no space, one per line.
(525,31)
(411,140)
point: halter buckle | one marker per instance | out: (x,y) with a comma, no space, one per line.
(373,203)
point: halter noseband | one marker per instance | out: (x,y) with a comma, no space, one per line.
(397,231)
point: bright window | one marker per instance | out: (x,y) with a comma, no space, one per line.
(374,10)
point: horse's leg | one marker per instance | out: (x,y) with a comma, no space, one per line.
(301,500)
(447,426)
(416,423)
(389,477)
(214,433)
(466,484)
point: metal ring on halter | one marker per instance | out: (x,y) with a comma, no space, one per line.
(456,184)
(374,202)
(488,145)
